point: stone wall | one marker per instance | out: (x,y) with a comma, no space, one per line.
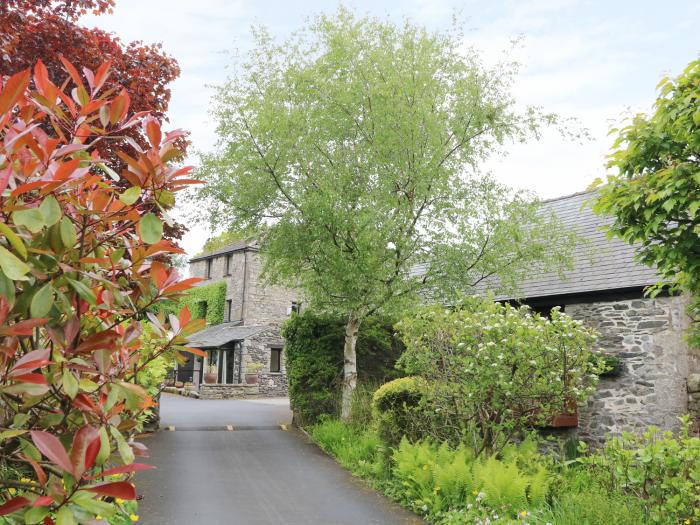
(227,391)
(694,401)
(265,303)
(648,336)
(258,349)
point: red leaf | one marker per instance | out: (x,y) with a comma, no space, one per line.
(72,71)
(37,379)
(24,188)
(14,87)
(66,169)
(51,447)
(49,521)
(123,469)
(24,327)
(82,441)
(42,501)
(40,474)
(32,360)
(153,132)
(185,284)
(102,74)
(195,351)
(116,489)
(13,505)
(85,403)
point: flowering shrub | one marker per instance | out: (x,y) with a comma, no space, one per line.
(81,260)
(496,370)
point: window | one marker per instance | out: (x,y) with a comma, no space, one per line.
(207,271)
(202,309)
(227,312)
(296,307)
(227,266)
(275,360)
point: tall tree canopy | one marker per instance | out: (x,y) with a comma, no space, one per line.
(357,142)
(654,197)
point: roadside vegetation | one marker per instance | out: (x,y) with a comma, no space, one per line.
(459,441)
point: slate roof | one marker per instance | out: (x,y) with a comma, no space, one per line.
(600,264)
(219,334)
(233,247)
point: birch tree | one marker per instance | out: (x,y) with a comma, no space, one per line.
(357,142)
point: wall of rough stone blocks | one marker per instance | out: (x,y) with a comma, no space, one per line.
(257,349)
(648,336)
(265,303)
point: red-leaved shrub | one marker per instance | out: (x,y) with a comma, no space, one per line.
(82,259)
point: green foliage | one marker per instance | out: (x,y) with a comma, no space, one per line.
(361,407)
(360,138)
(656,467)
(440,478)
(495,370)
(655,196)
(206,302)
(354,448)
(396,406)
(594,506)
(314,353)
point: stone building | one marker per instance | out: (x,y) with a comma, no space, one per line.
(657,379)
(250,333)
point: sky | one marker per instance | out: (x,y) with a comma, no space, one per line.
(592,60)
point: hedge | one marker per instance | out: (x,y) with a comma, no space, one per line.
(206,302)
(314,354)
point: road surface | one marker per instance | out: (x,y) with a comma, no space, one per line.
(254,474)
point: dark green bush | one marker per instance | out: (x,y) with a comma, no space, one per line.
(396,407)
(314,353)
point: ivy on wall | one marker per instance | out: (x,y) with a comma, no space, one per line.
(207,302)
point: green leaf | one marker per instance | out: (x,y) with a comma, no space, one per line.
(125,451)
(7,288)
(65,517)
(696,117)
(70,383)
(150,228)
(131,195)
(32,219)
(105,448)
(89,501)
(14,239)
(68,235)
(42,301)
(35,515)
(13,432)
(12,267)
(82,290)
(50,210)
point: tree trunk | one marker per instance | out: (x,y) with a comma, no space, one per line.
(349,363)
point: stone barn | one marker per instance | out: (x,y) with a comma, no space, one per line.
(657,377)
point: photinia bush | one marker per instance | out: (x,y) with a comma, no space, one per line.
(82,259)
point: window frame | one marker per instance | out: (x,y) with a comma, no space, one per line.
(278,351)
(227,264)
(228,311)
(208,267)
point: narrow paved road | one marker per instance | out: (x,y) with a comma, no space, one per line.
(255,474)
